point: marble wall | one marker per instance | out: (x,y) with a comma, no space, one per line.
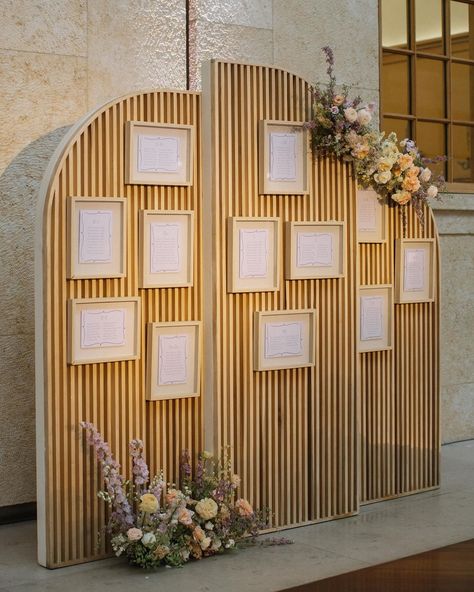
(60,58)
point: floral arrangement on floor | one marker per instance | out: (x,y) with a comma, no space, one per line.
(154,523)
(395,169)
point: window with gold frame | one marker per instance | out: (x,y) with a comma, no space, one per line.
(427,80)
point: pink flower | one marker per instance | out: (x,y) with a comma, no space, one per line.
(185,516)
(243,507)
(134,534)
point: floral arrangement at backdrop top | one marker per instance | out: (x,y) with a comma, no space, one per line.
(395,169)
(154,523)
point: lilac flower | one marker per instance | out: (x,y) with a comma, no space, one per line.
(140,468)
(114,482)
(334,110)
(185,465)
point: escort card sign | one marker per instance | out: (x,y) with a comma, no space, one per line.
(253,246)
(103,330)
(284,339)
(96,237)
(283,158)
(166,248)
(414,270)
(371,217)
(173,360)
(314,250)
(158,154)
(375,314)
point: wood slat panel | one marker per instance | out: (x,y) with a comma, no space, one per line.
(399,389)
(111,395)
(292,433)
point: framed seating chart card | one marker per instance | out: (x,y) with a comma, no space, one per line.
(103,330)
(414,270)
(375,315)
(371,217)
(284,339)
(253,247)
(166,248)
(158,154)
(283,154)
(173,360)
(314,250)
(97,239)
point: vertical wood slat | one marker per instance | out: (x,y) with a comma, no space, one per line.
(293,438)
(111,395)
(398,389)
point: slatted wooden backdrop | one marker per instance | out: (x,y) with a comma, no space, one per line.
(399,388)
(309,443)
(292,432)
(91,163)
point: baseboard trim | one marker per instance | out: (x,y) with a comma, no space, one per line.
(18,513)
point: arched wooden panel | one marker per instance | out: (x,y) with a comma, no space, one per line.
(292,432)
(90,162)
(399,389)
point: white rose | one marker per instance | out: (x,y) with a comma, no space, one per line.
(216,545)
(206,541)
(432,191)
(382,178)
(148,539)
(350,114)
(364,117)
(230,543)
(425,175)
(209,526)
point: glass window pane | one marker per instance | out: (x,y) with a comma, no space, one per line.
(462,92)
(395,84)
(394,23)
(463,154)
(462,30)
(429,26)
(430,88)
(431,140)
(401,127)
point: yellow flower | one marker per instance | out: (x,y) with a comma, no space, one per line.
(402,197)
(243,507)
(207,508)
(148,503)
(206,454)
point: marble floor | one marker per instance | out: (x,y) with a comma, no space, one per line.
(381,532)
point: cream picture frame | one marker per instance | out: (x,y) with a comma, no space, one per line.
(173,368)
(166,248)
(415,279)
(375,318)
(284,339)
(103,330)
(253,254)
(314,250)
(283,158)
(371,217)
(158,153)
(97,237)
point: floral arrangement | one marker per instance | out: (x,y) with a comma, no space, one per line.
(396,170)
(154,523)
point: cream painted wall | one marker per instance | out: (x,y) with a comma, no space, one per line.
(60,58)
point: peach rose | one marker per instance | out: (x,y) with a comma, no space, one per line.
(405,161)
(243,507)
(402,197)
(338,99)
(411,184)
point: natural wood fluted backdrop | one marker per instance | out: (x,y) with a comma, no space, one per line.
(399,389)
(309,443)
(292,433)
(111,395)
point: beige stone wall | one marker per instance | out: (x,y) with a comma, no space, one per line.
(60,58)
(455,220)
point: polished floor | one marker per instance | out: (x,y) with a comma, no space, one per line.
(382,532)
(449,569)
